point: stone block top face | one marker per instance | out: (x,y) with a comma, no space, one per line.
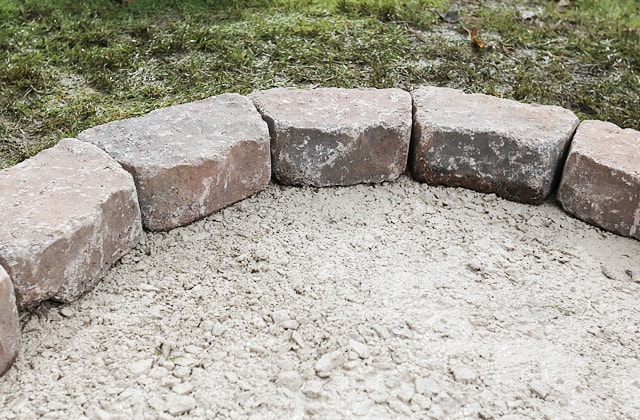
(449,109)
(68,213)
(49,192)
(9,323)
(333,136)
(180,134)
(489,144)
(609,145)
(334,109)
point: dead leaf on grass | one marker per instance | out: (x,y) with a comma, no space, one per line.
(473,34)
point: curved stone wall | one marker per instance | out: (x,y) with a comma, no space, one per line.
(72,211)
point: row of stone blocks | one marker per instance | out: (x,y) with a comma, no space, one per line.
(72,211)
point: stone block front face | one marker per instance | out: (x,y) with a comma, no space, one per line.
(601,179)
(190,160)
(9,323)
(331,136)
(69,213)
(488,144)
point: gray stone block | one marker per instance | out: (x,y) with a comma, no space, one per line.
(332,136)
(190,160)
(69,213)
(601,178)
(489,144)
(9,323)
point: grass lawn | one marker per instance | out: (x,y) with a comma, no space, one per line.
(67,65)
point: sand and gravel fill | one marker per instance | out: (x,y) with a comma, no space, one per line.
(385,301)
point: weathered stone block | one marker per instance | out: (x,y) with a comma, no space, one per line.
(190,160)
(68,214)
(331,136)
(488,144)
(9,323)
(601,179)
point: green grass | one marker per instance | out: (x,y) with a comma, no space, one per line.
(67,65)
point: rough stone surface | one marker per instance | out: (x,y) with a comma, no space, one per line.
(488,144)
(332,136)
(190,160)
(9,323)
(601,179)
(72,212)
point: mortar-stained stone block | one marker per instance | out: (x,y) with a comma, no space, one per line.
(69,213)
(488,144)
(9,323)
(331,136)
(190,160)
(601,179)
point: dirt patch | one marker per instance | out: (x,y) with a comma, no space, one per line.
(375,301)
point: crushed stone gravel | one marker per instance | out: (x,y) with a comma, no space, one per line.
(380,301)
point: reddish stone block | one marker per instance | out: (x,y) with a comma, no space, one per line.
(9,323)
(190,160)
(68,214)
(488,144)
(601,179)
(331,136)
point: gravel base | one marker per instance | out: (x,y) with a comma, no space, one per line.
(376,301)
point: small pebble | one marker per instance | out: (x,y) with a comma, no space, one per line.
(351,365)
(280,316)
(297,339)
(290,380)
(141,367)
(100,414)
(474,265)
(182,372)
(361,349)
(464,374)
(314,408)
(169,381)
(539,388)
(399,407)
(185,361)
(157,404)
(183,388)
(382,332)
(405,393)
(158,372)
(427,387)
(56,405)
(329,362)
(180,404)
(290,324)
(193,349)
(168,364)
(66,312)
(312,389)
(146,287)
(361,408)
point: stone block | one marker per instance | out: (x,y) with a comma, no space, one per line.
(68,214)
(601,178)
(489,144)
(190,160)
(331,136)
(9,323)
